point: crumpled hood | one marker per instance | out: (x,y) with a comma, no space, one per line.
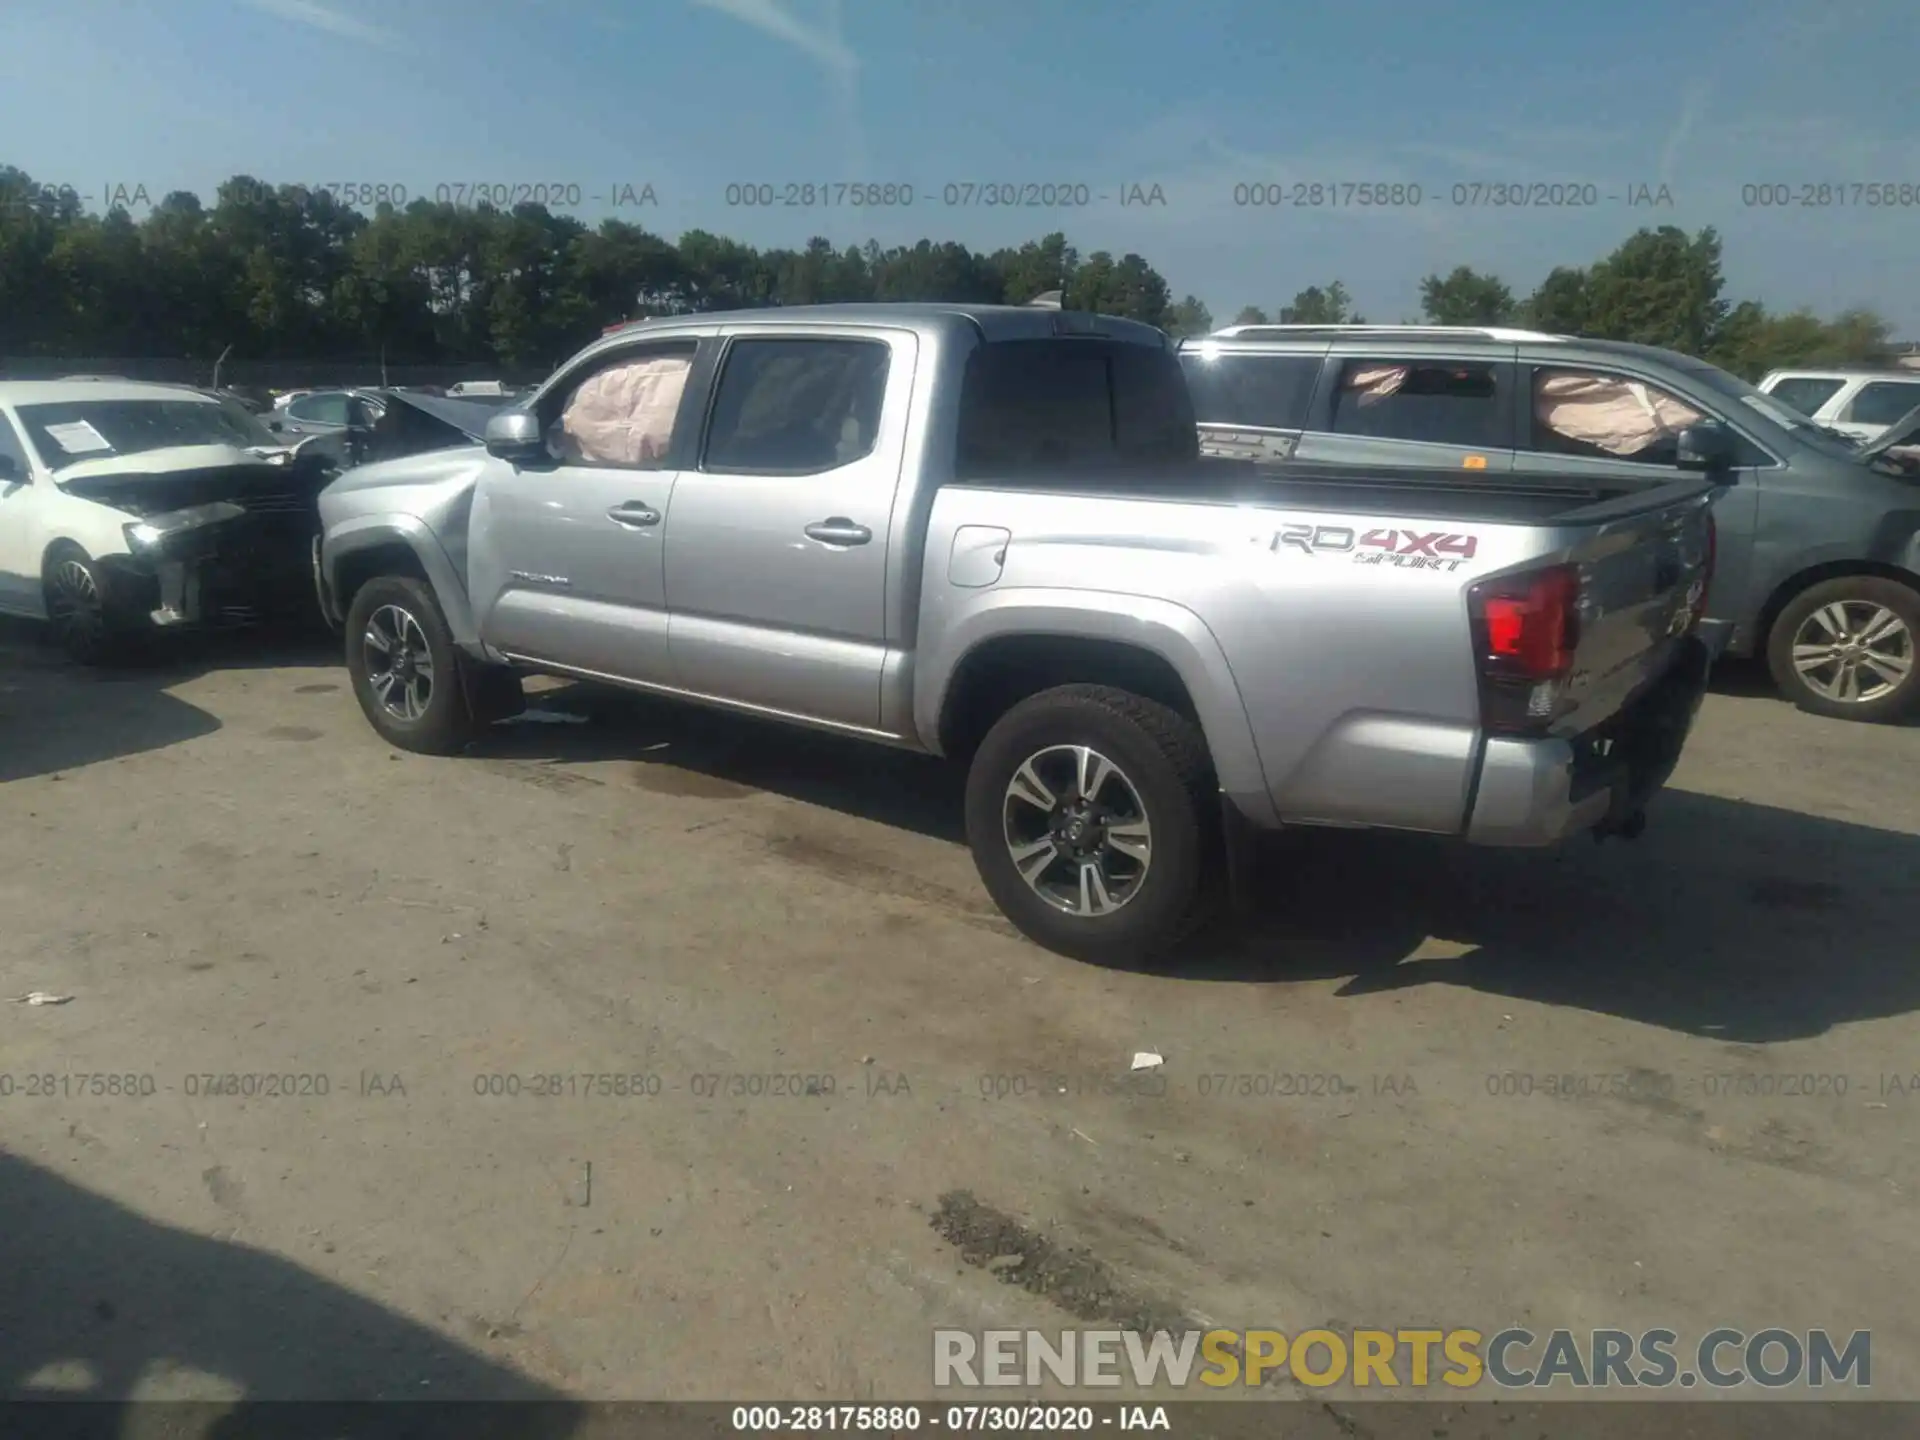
(157,464)
(467,415)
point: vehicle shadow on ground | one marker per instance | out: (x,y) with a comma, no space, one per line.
(1728,919)
(685,745)
(99,1299)
(1741,922)
(57,716)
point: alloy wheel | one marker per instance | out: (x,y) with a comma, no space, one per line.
(399,663)
(1853,651)
(1077,831)
(75,607)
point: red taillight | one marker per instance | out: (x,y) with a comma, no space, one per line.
(1530,623)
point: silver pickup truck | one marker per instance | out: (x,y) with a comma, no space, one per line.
(986,533)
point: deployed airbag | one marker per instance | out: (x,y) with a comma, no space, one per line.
(1621,417)
(624,414)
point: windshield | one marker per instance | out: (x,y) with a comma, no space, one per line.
(76,430)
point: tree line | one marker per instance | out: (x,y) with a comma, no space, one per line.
(1660,287)
(287,273)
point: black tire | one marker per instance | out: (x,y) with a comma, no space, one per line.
(87,620)
(1808,618)
(443,725)
(1162,758)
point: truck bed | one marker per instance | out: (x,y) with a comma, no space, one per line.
(1477,496)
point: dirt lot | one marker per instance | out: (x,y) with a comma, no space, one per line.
(232,876)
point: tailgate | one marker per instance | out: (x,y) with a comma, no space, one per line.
(1643,565)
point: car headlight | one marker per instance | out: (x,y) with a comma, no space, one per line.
(156,530)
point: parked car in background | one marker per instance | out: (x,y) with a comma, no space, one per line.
(987,532)
(1859,404)
(327,419)
(129,507)
(472,389)
(1818,566)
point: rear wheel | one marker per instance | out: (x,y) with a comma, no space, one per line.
(404,667)
(1089,815)
(1845,648)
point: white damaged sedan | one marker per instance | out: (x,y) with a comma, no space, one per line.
(126,507)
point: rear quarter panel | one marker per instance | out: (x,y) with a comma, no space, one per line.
(1336,685)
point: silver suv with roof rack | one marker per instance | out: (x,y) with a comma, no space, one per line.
(1818,567)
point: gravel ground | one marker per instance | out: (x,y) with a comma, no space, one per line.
(851,1104)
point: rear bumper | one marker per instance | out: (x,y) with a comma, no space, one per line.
(1539,792)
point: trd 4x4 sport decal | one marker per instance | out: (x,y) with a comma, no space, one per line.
(1403,549)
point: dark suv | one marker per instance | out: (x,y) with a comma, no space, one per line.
(1818,566)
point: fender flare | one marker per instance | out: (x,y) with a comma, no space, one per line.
(365,532)
(1162,628)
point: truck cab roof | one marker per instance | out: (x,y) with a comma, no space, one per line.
(991,322)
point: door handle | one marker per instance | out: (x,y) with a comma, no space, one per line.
(838,530)
(634,515)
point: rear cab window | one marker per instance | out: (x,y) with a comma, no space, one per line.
(1028,407)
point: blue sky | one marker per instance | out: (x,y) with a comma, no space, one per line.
(1703,96)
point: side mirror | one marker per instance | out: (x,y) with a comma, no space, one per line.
(276,427)
(10,471)
(515,435)
(1706,446)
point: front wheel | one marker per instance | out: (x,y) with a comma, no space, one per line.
(86,624)
(1845,648)
(404,667)
(1089,816)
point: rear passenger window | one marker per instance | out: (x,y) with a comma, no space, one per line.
(1882,402)
(1446,402)
(1269,392)
(796,407)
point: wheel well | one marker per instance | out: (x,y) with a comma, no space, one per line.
(358,567)
(1795,585)
(57,549)
(998,675)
